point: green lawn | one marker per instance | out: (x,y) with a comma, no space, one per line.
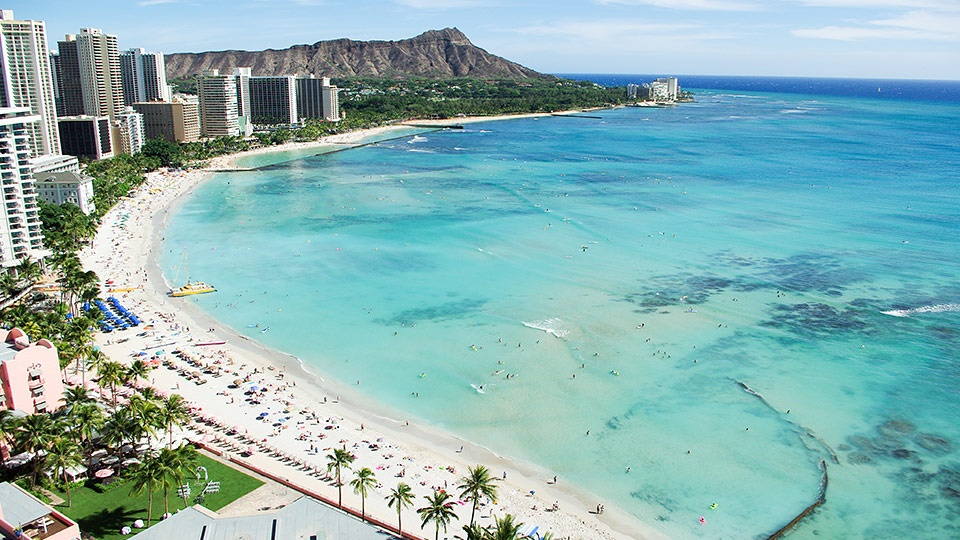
(102,515)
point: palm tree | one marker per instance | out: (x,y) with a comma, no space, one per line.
(111,376)
(29,269)
(137,370)
(120,427)
(476,532)
(174,412)
(475,484)
(364,481)
(147,414)
(76,341)
(438,511)
(179,461)
(63,454)
(84,422)
(35,433)
(339,459)
(95,360)
(505,529)
(75,397)
(402,497)
(147,476)
(7,426)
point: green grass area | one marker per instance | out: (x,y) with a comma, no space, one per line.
(102,515)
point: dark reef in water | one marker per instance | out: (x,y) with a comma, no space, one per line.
(814,319)
(666,291)
(441,312)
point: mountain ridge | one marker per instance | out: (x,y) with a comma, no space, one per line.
(435,54)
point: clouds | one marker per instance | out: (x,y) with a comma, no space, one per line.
(690,5)
(934,21)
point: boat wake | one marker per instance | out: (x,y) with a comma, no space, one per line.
(550,326)
(938,308)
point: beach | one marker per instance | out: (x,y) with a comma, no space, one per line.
(265,408)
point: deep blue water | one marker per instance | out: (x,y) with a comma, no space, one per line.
(909,90)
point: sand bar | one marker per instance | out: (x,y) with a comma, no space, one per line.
(295,417)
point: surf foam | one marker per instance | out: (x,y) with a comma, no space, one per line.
(938,308)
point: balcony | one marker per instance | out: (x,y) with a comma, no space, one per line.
(35,384)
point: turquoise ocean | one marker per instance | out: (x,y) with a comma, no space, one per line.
(723,294)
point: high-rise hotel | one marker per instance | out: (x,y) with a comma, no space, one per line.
(218,104)
(20,234)
(144,77)
(25,80)
(91,86)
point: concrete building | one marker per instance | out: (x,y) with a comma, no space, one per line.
(86,136)
(273,100)
(309,97)
(24,516)
(69,91)
(128,132)
(20,234)
(66,187)
(29,373)
(26,79)
(89,65)
(218,105)
(664,89)
(178,121)
(242,76)
(331,101)
(143,76)
(51,164)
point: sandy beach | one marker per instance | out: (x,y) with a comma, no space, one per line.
(266,408)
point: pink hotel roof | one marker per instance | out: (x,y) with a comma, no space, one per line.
(29,373)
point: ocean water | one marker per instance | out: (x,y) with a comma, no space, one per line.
(632,276)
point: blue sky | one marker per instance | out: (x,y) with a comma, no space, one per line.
(830,38)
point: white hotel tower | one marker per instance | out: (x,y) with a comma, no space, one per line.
(20,234)
(25,80)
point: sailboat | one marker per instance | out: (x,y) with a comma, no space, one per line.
(191,288)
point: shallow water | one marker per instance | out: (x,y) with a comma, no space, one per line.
(627,274)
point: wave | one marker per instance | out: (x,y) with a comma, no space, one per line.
(417,139)
(550,326)
(938,308)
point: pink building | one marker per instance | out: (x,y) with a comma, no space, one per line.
(29,373)
(20,511)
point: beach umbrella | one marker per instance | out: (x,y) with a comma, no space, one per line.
(143,353)
(237,382)
(104,473)
(264,414)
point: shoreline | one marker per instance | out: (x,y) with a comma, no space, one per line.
(425,449)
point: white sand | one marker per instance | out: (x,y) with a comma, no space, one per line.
(123,251)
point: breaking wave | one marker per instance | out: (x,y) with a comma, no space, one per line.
(939,308)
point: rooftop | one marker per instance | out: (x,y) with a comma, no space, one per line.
(303,518)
